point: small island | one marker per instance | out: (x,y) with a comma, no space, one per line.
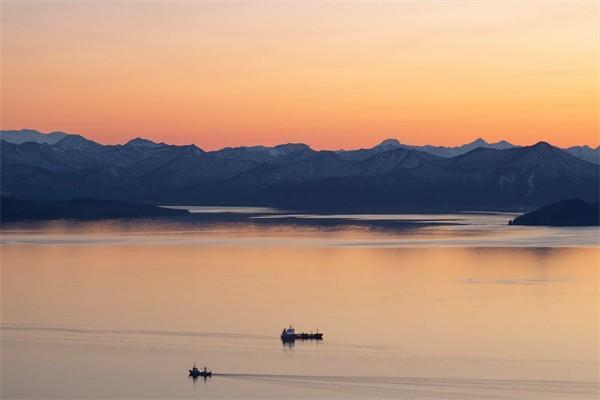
(574,212)
(13,210)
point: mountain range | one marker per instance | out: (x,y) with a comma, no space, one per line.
(264,153)
(389,176)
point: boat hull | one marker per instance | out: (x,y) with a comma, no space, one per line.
(302,336)
(197,373)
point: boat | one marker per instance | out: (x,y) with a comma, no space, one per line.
(290,335)
(195,372)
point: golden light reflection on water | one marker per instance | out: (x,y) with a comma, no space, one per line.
(494,312)
(439,301)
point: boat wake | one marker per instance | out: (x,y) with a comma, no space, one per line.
(436,388)
(192,334)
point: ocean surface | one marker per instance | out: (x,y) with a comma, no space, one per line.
(457,306)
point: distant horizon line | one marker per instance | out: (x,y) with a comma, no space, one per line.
(380,142)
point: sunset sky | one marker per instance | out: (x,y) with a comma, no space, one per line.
(335,74)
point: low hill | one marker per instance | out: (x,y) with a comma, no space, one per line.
(21,210)
(574,212)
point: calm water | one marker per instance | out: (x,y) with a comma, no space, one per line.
(123,309)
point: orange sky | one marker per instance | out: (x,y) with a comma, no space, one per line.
(331,74)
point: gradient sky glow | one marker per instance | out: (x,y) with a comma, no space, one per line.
(335,74)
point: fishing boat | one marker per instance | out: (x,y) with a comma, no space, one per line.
(290,335)
(195,372)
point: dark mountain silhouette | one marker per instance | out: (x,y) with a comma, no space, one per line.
(78,143)
(389,176)
(290,151)
(439,151)
(465,148)
(279,154)
(12,209)
(585,153)
(573,212)
(481,179)
(30,135)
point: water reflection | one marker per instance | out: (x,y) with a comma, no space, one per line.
(409,231)
(195,378)
(290,344)
(428,322)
